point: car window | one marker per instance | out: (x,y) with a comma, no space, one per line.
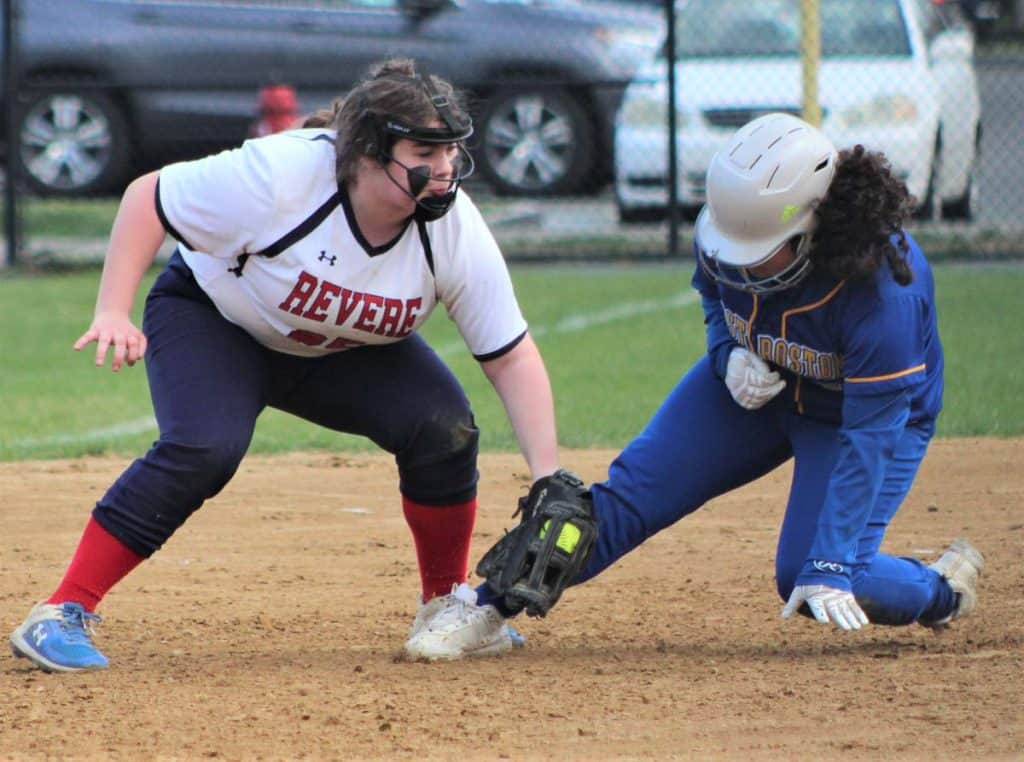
(714,28)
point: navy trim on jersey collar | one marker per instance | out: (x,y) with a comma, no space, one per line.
(428,251)
(303,229)
(350,215)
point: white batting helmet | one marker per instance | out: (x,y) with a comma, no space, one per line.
(761,191)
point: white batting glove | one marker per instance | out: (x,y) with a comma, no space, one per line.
(749,379)
(829,605)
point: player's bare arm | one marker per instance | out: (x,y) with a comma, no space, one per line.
(134,241)
(521,381)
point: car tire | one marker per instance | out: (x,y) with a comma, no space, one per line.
(630,215)
(930,207)
(536,141)
(965,207)
(72,143)
(927,209)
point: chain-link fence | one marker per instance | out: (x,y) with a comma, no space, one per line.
(570,100)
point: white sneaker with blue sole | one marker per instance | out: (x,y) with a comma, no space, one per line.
(57,637)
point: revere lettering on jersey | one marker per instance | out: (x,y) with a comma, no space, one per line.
(831,339)
(330,290)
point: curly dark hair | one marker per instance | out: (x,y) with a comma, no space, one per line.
(864,207)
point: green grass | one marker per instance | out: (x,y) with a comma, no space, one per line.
(78,218)
(644,330)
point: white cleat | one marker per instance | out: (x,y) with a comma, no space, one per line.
(453,627)
(960,565)
(427,611)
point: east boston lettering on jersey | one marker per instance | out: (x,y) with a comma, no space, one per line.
(321,300)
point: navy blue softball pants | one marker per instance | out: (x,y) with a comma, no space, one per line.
(209,381)
(701,444)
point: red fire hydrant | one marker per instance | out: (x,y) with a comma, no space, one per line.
(278,110)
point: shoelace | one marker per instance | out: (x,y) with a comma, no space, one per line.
(77,623)
(459,610)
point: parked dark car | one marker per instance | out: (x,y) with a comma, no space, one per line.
(108,88)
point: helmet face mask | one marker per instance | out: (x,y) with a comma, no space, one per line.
(743,279)
(434,206)
(763,187)
(453,131)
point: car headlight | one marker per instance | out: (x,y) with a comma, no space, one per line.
(883,110)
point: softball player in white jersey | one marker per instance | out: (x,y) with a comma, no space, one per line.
(307,262)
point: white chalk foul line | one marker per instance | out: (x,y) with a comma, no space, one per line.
(570,324)
(577,323)
(122,429)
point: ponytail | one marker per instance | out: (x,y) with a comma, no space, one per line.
(325,117)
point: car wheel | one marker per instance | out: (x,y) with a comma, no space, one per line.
(536,142)
(930,207)
(72,143)
(966,207)
(629,215)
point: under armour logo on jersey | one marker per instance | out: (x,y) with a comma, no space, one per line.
(39,634)
(328,259)
(829,566)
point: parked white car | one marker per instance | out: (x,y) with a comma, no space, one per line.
(893,77)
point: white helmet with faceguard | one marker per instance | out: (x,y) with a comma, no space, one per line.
(762,188)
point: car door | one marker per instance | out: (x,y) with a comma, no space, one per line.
(330,44)
(950,58)
(197,66)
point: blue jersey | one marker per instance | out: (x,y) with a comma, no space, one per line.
(863,365)
(862,355)
(832,339)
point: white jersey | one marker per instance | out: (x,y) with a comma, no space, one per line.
(274,243)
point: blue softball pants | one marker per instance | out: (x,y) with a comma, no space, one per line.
(209,381)
(700,444)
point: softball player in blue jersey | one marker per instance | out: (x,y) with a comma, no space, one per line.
(307,262)
(822,347)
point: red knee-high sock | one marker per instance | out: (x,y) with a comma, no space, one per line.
(442,534)
(99,563)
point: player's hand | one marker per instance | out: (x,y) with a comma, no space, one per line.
(114,329)
(829,605)
(749,379)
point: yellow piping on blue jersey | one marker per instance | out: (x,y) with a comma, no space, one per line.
(889,376)
(750,323)
(808,307)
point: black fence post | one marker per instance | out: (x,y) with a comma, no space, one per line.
(673,164)
(12,231)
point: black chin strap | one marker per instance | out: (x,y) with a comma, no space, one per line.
(433,206)
(453,132)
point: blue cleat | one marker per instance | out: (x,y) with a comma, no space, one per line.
(57,638)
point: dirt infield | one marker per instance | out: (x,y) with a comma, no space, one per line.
(270,627)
